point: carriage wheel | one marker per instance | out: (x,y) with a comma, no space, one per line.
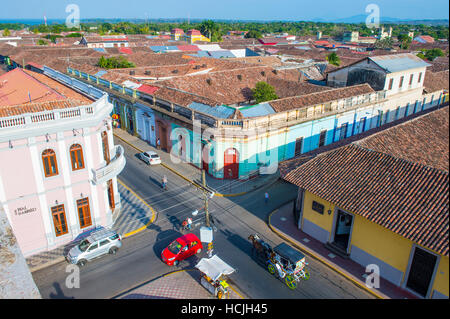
(271,269)
(305,274)
(291,282)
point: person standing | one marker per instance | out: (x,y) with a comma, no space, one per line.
(266,197)
(158,143)
(189,223)
(164,182)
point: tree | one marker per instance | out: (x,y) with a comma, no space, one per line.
(6,33)
(253,34)
(433,54)
(264,92)
(114,63)
(334,59)
(42,42)
(210,30)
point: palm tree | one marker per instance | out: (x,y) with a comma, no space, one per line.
(333,58)
(208,28)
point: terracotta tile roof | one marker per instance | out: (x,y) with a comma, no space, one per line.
(400,188)
(13,110)
(436,81)
(324,96)
(285,88)
(16,87)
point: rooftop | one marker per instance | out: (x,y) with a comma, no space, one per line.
(388,179)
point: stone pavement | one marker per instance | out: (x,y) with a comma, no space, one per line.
(183,284)
(191,173)
(283,223)
(134,216)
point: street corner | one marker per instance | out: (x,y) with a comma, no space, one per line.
(182,284)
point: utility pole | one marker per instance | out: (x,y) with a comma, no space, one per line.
(206,198)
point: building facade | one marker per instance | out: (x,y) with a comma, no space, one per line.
(58,168)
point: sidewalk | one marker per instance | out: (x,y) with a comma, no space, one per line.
(184,284)
(282,222)
(135,215)
(224,188)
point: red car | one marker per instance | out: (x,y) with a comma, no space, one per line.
(181,248)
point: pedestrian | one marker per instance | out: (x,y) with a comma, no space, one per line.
(164,182)
(266,197)
(189,223)
(158,143)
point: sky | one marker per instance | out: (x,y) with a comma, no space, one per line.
(292,10)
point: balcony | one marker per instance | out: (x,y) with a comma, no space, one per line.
(112,169)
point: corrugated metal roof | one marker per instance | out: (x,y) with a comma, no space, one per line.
(201,54)
(399,62)
(261,109)
(221,54)
(99,49)
(221,111)
(161,48)
(100,73)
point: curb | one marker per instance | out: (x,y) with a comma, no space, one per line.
(187,179)
(51,263)
(319,258)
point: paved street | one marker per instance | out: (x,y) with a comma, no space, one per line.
(236,218)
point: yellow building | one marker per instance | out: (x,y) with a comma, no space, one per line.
(193,36)
(383,200)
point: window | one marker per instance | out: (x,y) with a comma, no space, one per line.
(420,77)
(104,242)
(84,212)
(93,247)
(76,156)
(343,133)
(411,79)
(401,82)
(318,207)
(323,135)
(391,83)
(50,164)
(298,146)
(59,220)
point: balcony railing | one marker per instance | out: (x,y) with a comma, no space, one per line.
(113,168)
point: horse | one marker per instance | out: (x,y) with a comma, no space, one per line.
(261,247)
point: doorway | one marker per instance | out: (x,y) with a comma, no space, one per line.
(105,146)
(111,200)
(421,271)
(343,228)
(163,136)
(231,164)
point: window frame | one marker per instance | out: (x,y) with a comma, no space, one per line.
(400,85)
(57,211)
(324,134)
(86,209)
(391,83)
(73,151)
(47,155)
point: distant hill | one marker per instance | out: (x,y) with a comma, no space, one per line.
(361,18)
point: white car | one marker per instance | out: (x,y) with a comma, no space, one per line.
(150,157)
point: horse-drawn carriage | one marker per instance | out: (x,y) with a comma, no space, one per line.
(282,261)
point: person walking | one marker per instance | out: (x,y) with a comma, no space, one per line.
(164,182)
(158,143)
(266,197)
(189,223)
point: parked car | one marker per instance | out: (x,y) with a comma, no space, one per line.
(150,157)
(97,244)
(181,248)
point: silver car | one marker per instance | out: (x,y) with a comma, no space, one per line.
(97,244)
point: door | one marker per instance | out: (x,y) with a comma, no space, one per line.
(163,136)
(231,164)
(105,146)
(93,251)
(205,157)
(421,271)
(343,229)
(112,204)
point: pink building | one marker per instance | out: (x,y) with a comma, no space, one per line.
(58,162)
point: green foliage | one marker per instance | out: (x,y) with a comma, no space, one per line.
(211,30)
(52,37)
(430,54)
(264,92)
(334,59)
(115,63)
(74,35)
(6,32)
(42,42)
(255,34)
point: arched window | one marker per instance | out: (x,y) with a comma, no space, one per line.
(50,164)
(76,156)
